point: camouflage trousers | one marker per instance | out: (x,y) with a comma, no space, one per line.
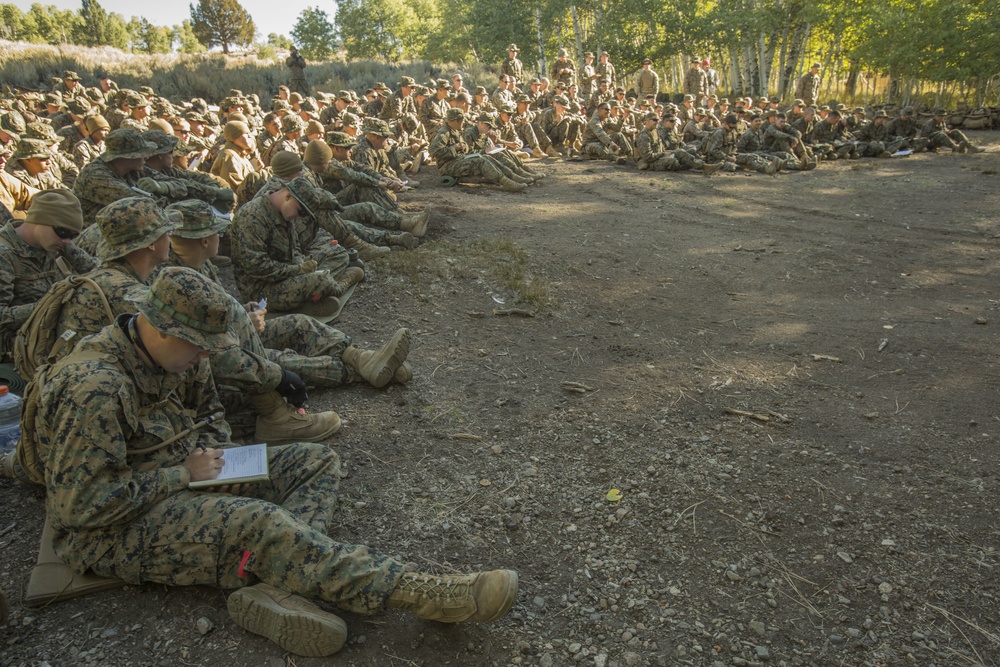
(307,347)
(507,159)
(874,148)
(782,145)
(354,194)
(478,165)
(950,139)
(277,532)
(564,134)
(373,215)
(526,133)
(292,292)
(674,161)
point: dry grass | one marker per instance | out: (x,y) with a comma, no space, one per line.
(212,75)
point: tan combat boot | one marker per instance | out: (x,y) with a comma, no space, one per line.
(973,149)
(378,368)
(415,223)
(366,251)
(511,186)
(352,276)
(774,167)
(418,161)
(290,621)
(403,239)
(450,598)
(709,169)
(279,423)
(403,374)
(537,152)
(552,152)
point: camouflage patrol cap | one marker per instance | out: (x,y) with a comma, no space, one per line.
(133,223)
(198,219)
(406,82)
(614,104)
(454,114)
(54,100)
(651,116)
(907,111)
(31,148)
(291,123)
(561,100)
(308,105)
(69,75)
(165,143)
(480,91)
(79,106)
(341,140)
(523,98)
(56,208)
(350,120)
(798,103)
(535,81)
(513,47)
(488,119)
(700,111)
(442,84)
(689,98)
(280,105)
(940,112)
(345,95)
(376,126)
(881,114)
(195,117)
(12,122)
(128,144)
(40,130)
(185,304)
(286,164)
(507,108)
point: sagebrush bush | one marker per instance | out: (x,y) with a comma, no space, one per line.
(211,75)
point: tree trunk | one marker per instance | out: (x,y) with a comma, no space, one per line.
(736,85)
(577,33)
(225,48)
(751,73)
(851,87)
(782,71)
(543,66)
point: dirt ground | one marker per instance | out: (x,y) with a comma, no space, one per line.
(790,381)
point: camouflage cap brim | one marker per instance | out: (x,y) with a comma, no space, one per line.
(166,224)
(189,307)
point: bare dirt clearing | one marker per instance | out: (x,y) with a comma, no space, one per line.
(791,381)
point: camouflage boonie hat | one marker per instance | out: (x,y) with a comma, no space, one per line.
(345,95)
(376,126)
(198,219)
(350,120)
(441,84)
(825,107)
(79,106)
(341,140)
(561,100)
(652,116)
(881,114)
(523,98)
(280,105)
(133,223)
(480,90)
(454,114)
(689,98)
(291,123)
(798,103)
(126,143)
(185,304)
(488,119)
(308,105)
(6,149)
(940,112)
(406,82)
(301,189)
(506,108)
(165,143)
(31,148)
(614,104)
(69,75)
(513,47)
(12,122)
(53,99)
(858,110)
(42,131)
(907,111)
(379,86)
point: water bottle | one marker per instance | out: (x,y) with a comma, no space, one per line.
(10,419)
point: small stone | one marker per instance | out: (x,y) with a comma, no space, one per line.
(885,588)
(758,628)
(837,640)
(203,626)
(539,602)
(762,653)
(546,660)
(633,659)
(853,633)
(575,647)
(496,449)
(732,576)
(844,556)
(626,636)
(601,660)
(108,633)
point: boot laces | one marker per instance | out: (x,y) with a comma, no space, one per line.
(435,587)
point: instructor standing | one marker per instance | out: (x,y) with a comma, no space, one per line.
(297,65)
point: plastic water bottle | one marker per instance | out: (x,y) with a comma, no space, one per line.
(10,419)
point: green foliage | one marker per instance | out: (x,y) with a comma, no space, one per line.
(222,23)
(187,41)
(387,29)
(314,34)
(279,41)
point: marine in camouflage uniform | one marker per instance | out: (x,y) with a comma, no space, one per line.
(563,70)
(833,132)
(653,156)
(15,196)
(874,139)
(115,175)
(904,127)
(268,256)
(434,109)
(399,103)
(60,166)
(123,512)
(939,135)
(454,157)
(808,88)
(481,137)
(511,66)
(370,151)
(29,255)
(91,148)
(696,81)
(30,165)
(721,147)
(560,129)
(597,143)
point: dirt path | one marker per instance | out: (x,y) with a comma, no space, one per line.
(791,382)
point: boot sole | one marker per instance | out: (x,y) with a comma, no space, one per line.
(400,345)
(298,632)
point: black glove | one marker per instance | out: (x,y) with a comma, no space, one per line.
(292,388)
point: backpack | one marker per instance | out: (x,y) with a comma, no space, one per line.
(28,462)
(38,340)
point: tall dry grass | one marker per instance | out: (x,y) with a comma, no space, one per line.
(210,76)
